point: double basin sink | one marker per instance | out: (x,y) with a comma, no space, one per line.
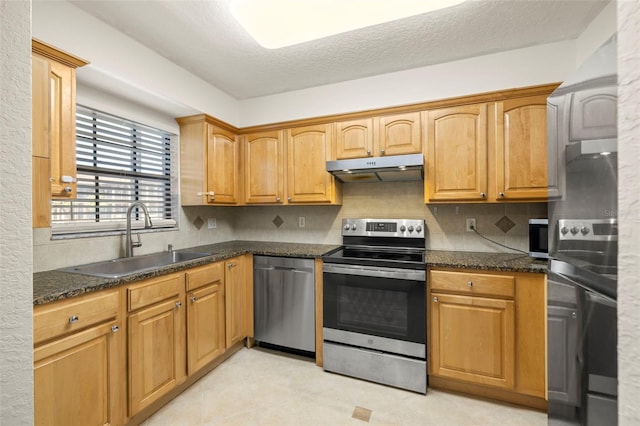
(117,268)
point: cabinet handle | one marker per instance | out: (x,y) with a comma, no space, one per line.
(178,305)
(482,194)
(469,284)
(193,299)
(435,299)
(368,152)
(231,265)
(68,189)
(115,328)
(574,315)
(73,319)
(382,151)
(278,199)
(501,194)
(288,198)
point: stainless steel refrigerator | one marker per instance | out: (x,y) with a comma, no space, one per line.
(583,244)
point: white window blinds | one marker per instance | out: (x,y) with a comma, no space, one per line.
(118,162)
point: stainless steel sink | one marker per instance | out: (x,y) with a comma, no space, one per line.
(132,265)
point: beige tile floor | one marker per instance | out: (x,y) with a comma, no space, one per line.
(261,387)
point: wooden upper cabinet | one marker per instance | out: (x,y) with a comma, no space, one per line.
(62,114)
(521,149)
(222,166)
(399,134)
(354,139)
(386,135)
(264,168)
(40,142)
(308,149)
(456,159)
(209,162)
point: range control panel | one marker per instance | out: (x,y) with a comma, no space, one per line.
(403,228)
(588,229)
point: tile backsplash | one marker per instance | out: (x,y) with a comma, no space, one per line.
(445,223)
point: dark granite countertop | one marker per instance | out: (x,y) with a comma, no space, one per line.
(50,286)
(508,262)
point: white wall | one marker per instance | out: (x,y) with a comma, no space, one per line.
(596,33)
(629,211)
(16,295)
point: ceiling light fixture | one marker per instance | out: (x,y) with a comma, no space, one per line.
(280,23)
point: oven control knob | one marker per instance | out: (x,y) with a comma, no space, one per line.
(353,227)
(402,228)
(575,230)
(584,230)
(346,227)
(419,229)
(410,228)
(564,230)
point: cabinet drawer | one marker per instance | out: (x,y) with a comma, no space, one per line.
(154,291)
(60,318)
(204,275)
(470,283)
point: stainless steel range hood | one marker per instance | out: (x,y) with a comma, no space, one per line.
(391,168)
(591,149)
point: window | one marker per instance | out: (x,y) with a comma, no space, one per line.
(118,162)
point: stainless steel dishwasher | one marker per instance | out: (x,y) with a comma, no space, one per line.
(284,302)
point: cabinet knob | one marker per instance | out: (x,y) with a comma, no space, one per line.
(278,199)
(178,305)
(73,319)
(435,299)
(483,195)
(289,199)
(115,328)
(68,189)
(574,315)
(501,194)
(382,151)
(368,152)
(231,265)
(193,299)
(469,283)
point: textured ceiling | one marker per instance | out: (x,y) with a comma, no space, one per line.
(203,38)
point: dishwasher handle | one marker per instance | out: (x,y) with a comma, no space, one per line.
(282,268)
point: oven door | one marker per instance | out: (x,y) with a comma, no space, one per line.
(384,302)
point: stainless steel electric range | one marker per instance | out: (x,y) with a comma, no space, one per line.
(374,307)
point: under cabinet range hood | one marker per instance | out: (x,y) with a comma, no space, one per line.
(591,149)
(393,168)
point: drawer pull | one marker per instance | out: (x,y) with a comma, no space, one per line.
(73,319)
(193,299)
(435,300)
(115,328)
(178,305)
(469,284)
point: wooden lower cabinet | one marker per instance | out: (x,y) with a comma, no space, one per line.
(156,339)
(239,300)
(205,315)
(487,334)
(79,362)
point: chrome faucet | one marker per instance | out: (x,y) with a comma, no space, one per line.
(147,224)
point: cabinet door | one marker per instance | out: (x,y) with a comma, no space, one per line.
(399,134)
(521,149)
(594,114)
(456,158)
(205,325)
(222,166)
(557,137)
(564,378)
(236,300)
(156,352)
(264,164)
(354,139)
(77,379)
(308,150)
(472,339)
(63,131)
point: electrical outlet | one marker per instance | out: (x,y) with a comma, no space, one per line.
(301,222)
(211,223)
(471,224)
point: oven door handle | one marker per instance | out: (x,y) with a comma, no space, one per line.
(368,271)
